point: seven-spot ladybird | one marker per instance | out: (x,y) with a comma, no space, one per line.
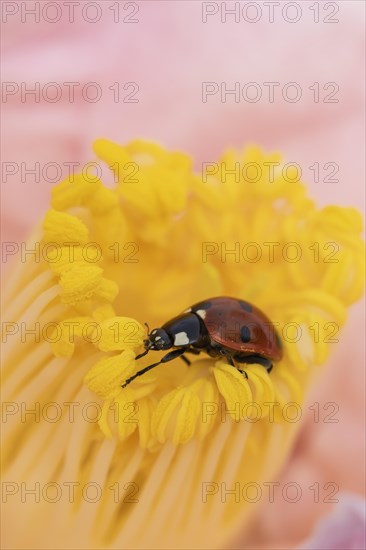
(221,326)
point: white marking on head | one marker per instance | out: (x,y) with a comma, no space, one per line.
(181,339)
(158,338)
(201,313)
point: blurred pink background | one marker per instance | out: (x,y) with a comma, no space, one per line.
(169,52)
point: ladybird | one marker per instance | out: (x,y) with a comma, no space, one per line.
(222,326)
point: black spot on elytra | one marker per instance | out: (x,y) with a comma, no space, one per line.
(245,334)
(246,306)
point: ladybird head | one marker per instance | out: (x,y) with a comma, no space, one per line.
(158,339)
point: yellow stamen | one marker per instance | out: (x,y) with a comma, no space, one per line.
(165,237)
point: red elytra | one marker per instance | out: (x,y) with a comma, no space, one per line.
(239,326)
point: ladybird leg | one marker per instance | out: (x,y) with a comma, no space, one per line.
(250,359)
(230,360)
(190,350)
(142,354)
(194,351)
(228,356)
(168,357)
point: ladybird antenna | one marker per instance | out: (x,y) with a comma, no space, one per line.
(147,343)
(147,326)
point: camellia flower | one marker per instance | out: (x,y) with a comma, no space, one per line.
(178,457)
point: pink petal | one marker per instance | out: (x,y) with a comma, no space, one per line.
(343,529)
